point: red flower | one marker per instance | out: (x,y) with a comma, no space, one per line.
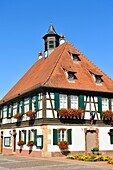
(20,143)
(17,116)
(30,113)
(63,145)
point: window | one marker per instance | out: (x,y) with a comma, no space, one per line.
(51,43)
(105,105)
(7,141)
(61,135)
(63,101)
(74,102)
(75,57)
(98,80)
(71,76)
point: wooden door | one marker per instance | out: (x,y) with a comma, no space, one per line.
(90,140)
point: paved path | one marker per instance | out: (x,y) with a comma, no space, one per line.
(24,163)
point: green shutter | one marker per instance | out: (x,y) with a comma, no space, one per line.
(11,110)
(28,135)
(2,112)
(55,137)
(35,137)
(30,103)
(81,102)
(7,111)
(22,107)
(17,107)
(69,134)
(36,106)
(99,104)
(111,139)
(19,135)
(25,137)
(57,104)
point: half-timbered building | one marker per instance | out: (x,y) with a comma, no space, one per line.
(62,97)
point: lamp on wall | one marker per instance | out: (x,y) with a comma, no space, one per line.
(10,133)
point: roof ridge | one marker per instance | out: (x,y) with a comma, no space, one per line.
(90,61)
(55,64)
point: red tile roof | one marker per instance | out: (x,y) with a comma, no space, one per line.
(50,72)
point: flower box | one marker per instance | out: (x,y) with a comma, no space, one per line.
(18,116)
(30,143)
(63,145)
(107,114)
(20,143)
(30,113)
(70,113)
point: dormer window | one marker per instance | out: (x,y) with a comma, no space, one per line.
(71,76)
(75,57)
(98,80)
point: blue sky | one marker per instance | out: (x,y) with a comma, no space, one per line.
(87,24)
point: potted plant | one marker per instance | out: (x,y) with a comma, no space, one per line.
(20,143)
(18,116)
(63,145)
(30,143)
(30,113)
(94,150)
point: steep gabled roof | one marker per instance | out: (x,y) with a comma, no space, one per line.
(50,72)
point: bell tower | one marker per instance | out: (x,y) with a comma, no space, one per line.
(51,40)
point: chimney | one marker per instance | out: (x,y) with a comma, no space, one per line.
(62,39)
(40,55)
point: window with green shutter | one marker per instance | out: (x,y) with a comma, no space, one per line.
(55,137)
(99,104)
(57,104)
(81,102)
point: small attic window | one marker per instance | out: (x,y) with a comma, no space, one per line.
(98,79)
(51,43)
(75,57)
(71,76)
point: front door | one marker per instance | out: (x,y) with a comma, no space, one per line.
(91,140)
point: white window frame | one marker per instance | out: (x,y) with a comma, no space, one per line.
(63,101)
(62,135)
(74,102)
(105,104)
